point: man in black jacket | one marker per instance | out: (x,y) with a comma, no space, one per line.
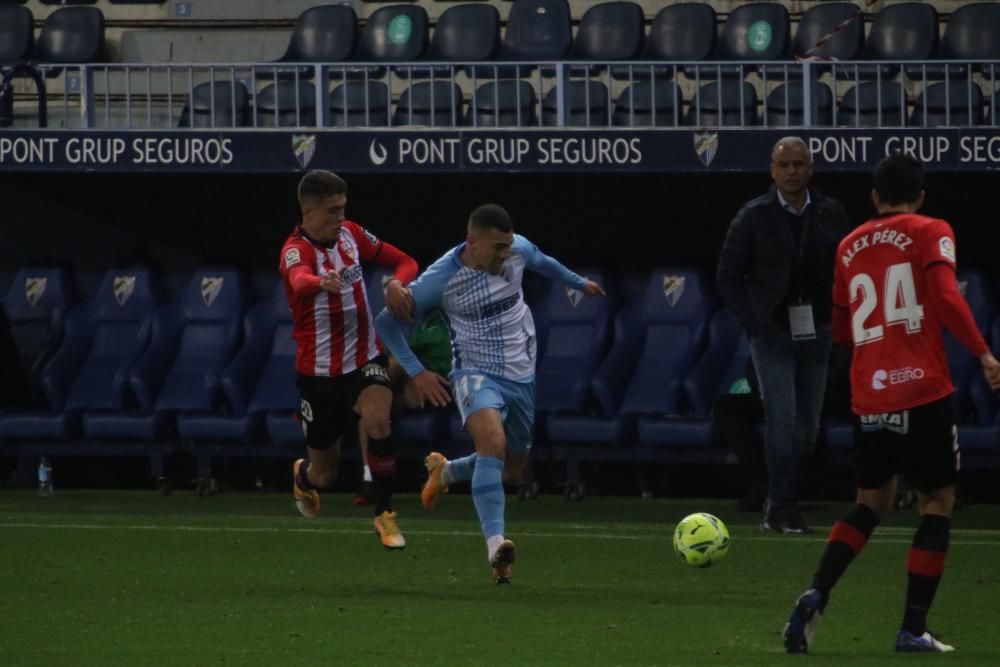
(776,274)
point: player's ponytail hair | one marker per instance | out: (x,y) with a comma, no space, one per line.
(490,216)
(320,184)
(899,179)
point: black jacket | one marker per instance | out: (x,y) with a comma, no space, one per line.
(758,259)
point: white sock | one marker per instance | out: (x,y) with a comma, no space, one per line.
(446,477)
(367,473)
(492,544)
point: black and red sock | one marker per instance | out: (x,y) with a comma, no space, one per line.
(847,538)
(924,568)
(382,462)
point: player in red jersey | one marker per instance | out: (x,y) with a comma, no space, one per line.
(342,373)
(894,290)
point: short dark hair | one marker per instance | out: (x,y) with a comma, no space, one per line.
(899,179)
(491,216)
(320,184)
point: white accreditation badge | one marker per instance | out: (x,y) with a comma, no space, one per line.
(801,323)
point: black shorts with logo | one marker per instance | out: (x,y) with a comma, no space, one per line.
(328,402)
(921,442)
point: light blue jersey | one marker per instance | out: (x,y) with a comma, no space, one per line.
(491,327)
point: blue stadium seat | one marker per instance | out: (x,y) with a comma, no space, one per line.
(323,34)
(259,388)
(396,33)
(537,30)
(71,35)
(35,307)
(286,104)
(671,334)
(503,103)
(609,31)
(956,103)
(359,104)
(464,33)
(653,103)
(971,33)
(725,102)
(429,103)
(657,336)
(192,341)
(819,20)
(17,36)
(869,104)
(216,104)
(722,364)
(683,32)
(578,331)
(586,104)
(103,339)
(753,31)
(902,31)
(785,105)
(260,380)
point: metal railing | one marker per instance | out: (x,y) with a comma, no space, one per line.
(663,94)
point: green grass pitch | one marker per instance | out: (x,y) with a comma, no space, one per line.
(132,578)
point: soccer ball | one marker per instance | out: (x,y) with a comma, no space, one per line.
(701,540)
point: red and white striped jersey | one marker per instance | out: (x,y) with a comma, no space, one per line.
(334,332)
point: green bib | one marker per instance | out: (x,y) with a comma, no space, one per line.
(430,340)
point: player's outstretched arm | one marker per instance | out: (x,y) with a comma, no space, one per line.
(390,330)
(305,283)
(553,269)
(956,316)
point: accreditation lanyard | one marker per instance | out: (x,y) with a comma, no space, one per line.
(801,322)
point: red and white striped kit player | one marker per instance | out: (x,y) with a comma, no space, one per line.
(334,332)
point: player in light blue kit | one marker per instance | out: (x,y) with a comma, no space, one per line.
(478,287)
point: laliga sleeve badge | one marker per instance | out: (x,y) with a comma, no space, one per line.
(947,248)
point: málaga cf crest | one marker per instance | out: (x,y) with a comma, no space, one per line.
(304,147)
(123,286)
(34,288)
(210,288)
(673,289)
(706,145)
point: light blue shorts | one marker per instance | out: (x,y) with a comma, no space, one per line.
(515,401)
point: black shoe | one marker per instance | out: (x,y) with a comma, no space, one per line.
(793,524)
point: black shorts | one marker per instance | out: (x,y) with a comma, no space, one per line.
(921,442)
(328,402)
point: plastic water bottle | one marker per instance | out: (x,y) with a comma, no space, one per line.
(44,478)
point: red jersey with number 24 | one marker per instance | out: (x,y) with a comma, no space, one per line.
(899,355)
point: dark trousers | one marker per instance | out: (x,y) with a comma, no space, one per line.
(792,378)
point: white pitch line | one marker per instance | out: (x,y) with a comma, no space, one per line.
(587,527)
(448,533)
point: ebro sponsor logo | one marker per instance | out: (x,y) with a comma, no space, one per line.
(896,376)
